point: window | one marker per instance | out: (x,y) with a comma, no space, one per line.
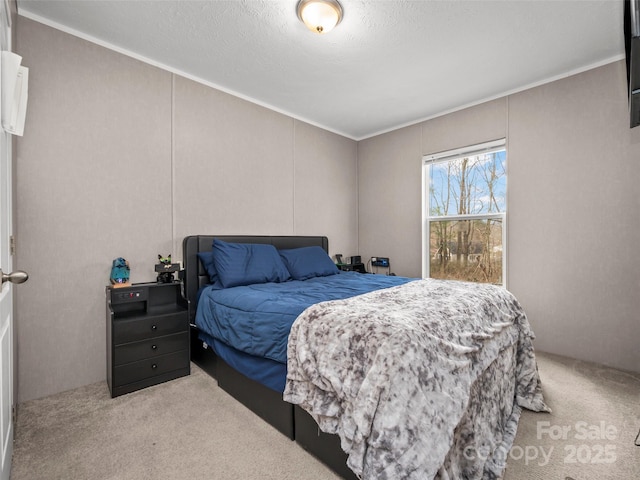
(464,214)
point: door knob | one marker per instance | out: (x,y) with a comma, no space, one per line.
(14,277)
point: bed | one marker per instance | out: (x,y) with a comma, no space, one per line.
(373,381)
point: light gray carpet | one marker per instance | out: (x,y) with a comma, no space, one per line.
(190,429)
(184,429)
(591,432)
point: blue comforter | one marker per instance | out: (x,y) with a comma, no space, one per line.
(256,319)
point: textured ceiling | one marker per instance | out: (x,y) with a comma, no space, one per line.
(389,63)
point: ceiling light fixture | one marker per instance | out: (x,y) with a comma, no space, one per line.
(320,16)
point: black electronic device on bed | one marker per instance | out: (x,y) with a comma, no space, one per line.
(291,420)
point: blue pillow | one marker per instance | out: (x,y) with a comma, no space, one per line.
(206,259)
(308,262)
(247,263)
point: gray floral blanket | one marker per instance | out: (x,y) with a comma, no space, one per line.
(424,380)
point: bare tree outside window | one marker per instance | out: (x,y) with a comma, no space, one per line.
(465,214)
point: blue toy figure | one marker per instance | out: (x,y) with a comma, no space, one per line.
(120,273)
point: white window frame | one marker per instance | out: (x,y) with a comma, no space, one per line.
(427,161)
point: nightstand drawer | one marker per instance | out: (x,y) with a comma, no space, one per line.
(131,330)
(136,371)
(151,348)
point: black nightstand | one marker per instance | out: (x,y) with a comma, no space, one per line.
(352,267)
(147,336)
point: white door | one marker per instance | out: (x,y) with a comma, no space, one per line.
(6,311)
(9,277)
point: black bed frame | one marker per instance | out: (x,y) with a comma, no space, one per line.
(289,419)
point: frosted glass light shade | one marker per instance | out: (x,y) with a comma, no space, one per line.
(320,16)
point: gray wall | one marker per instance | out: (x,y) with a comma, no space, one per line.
(573,207)
(389,183)
(120,158)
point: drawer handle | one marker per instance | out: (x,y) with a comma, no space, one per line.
(154,327)
(154,366)
(154,347)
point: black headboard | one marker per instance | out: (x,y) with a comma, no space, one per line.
(196,277)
